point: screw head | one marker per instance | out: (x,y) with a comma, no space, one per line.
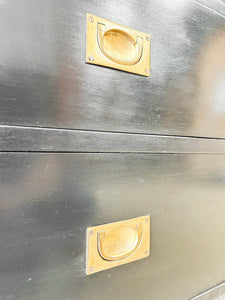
(146,71)
(91,57)
(146,220)
(91,232)
(91,269)
(146,253)
(91,19)
(147,38)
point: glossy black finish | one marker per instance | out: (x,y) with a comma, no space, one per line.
(23,139)
(45,82)
(48,200)
(51,101)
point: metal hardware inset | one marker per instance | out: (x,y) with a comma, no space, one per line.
(117,46)
(117,243)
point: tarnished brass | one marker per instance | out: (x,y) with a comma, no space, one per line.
(118,243)
(116,46)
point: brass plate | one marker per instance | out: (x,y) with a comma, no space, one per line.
(118,243)
(115,46)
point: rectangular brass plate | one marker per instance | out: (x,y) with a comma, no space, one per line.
(118,243)
(116,46)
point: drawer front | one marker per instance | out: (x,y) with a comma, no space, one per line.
(48,200)
(45,81)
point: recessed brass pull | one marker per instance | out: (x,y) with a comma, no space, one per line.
(115,46)
(120,242)
(118,46)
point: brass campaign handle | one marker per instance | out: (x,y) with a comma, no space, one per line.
(138,44)
(128,252)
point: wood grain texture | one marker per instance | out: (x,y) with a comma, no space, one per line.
(48,200)
(30,139)
(45,81)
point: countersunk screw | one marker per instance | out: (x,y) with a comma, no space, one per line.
(146,220)
(91,269)
(146,71)
(147,38)
(91,232)
(146,253)
(91,57)
(91,19)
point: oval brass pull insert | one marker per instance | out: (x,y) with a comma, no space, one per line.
(118,46)
(120,242)
(114,244)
